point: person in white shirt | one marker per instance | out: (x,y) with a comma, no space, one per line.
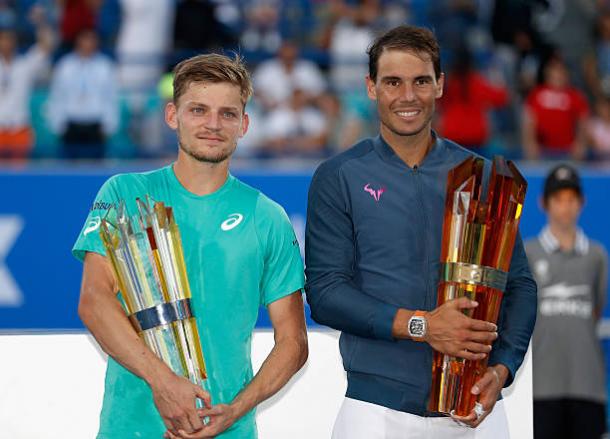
(143,41)
(18,74)
(277,78)
(296,129)
(83,103)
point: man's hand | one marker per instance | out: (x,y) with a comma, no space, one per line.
(175,398)
(451,332)
(488,388)
(220,416)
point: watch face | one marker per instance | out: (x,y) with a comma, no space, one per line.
(417,326)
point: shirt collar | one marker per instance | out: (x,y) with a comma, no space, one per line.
(387,153)
(550,244)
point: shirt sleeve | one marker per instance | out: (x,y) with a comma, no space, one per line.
(517,314)
(282,264)
(89,239)
(329,254)
(601,291)
(582,107)
(110,117)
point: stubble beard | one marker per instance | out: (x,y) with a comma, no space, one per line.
(214,159)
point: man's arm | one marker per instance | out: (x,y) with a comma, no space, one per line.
(335,301)
(601,287)
(516,322)
(287,356)
(579,147)
(531,149)
(102,313)
(517,314)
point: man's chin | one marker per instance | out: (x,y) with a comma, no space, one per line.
(214,157)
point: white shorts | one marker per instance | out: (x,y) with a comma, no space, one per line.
(363,420)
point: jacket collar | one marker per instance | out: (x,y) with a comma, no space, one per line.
(550,244)
(388,154)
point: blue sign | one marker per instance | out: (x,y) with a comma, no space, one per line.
(42,212)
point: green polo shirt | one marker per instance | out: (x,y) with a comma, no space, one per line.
(241,253)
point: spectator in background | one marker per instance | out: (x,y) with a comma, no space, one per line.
(343,128)
(143,42)
(83,102)
(77,16)
(554,117)
(465,104)
(261,33)
(351,32)
(567,25)
(18,74)
(571,273)
(598,130)
(295,130)
(519,45)
(197,29)
(8,16)
(597,63)
(276,79)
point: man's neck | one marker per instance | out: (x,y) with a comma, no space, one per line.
(565,236)
(200,178)
(411,149)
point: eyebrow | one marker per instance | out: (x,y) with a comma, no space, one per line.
(391,78)
(201,104)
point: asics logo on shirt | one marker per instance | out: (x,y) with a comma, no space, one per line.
(375,193)
(233,221)
(92,225)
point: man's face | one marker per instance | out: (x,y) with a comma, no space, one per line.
(563,207)
(557,75)
(406,90)
(8,43)
(208,119)
(87,43)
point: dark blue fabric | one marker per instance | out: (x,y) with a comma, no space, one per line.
(373,240)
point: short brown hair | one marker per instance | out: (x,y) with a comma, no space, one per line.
(212,68)
(409,38)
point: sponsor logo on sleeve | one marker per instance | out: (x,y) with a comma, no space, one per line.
(102,205)
(92,225)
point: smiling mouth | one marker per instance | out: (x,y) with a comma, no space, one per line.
(410,113)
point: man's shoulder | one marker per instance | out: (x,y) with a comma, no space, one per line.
(331,166)
(598,250)
(458,152)
(263,207)
(128,180)
(533,248)
(250,195)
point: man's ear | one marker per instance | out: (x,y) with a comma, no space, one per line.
(440,84)
(245,123)
(171,115)
(370,88)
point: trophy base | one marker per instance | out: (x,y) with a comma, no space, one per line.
(453,378)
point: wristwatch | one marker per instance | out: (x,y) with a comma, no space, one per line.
(418,326)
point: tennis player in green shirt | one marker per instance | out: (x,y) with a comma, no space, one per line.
(241,253)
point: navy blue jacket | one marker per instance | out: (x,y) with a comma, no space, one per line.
(373,241)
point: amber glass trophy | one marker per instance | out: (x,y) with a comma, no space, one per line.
(478,239)
(148,261)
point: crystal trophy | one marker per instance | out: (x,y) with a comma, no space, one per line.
(478,239)
(147,257)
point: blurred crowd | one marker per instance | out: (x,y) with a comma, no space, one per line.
(89,78)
